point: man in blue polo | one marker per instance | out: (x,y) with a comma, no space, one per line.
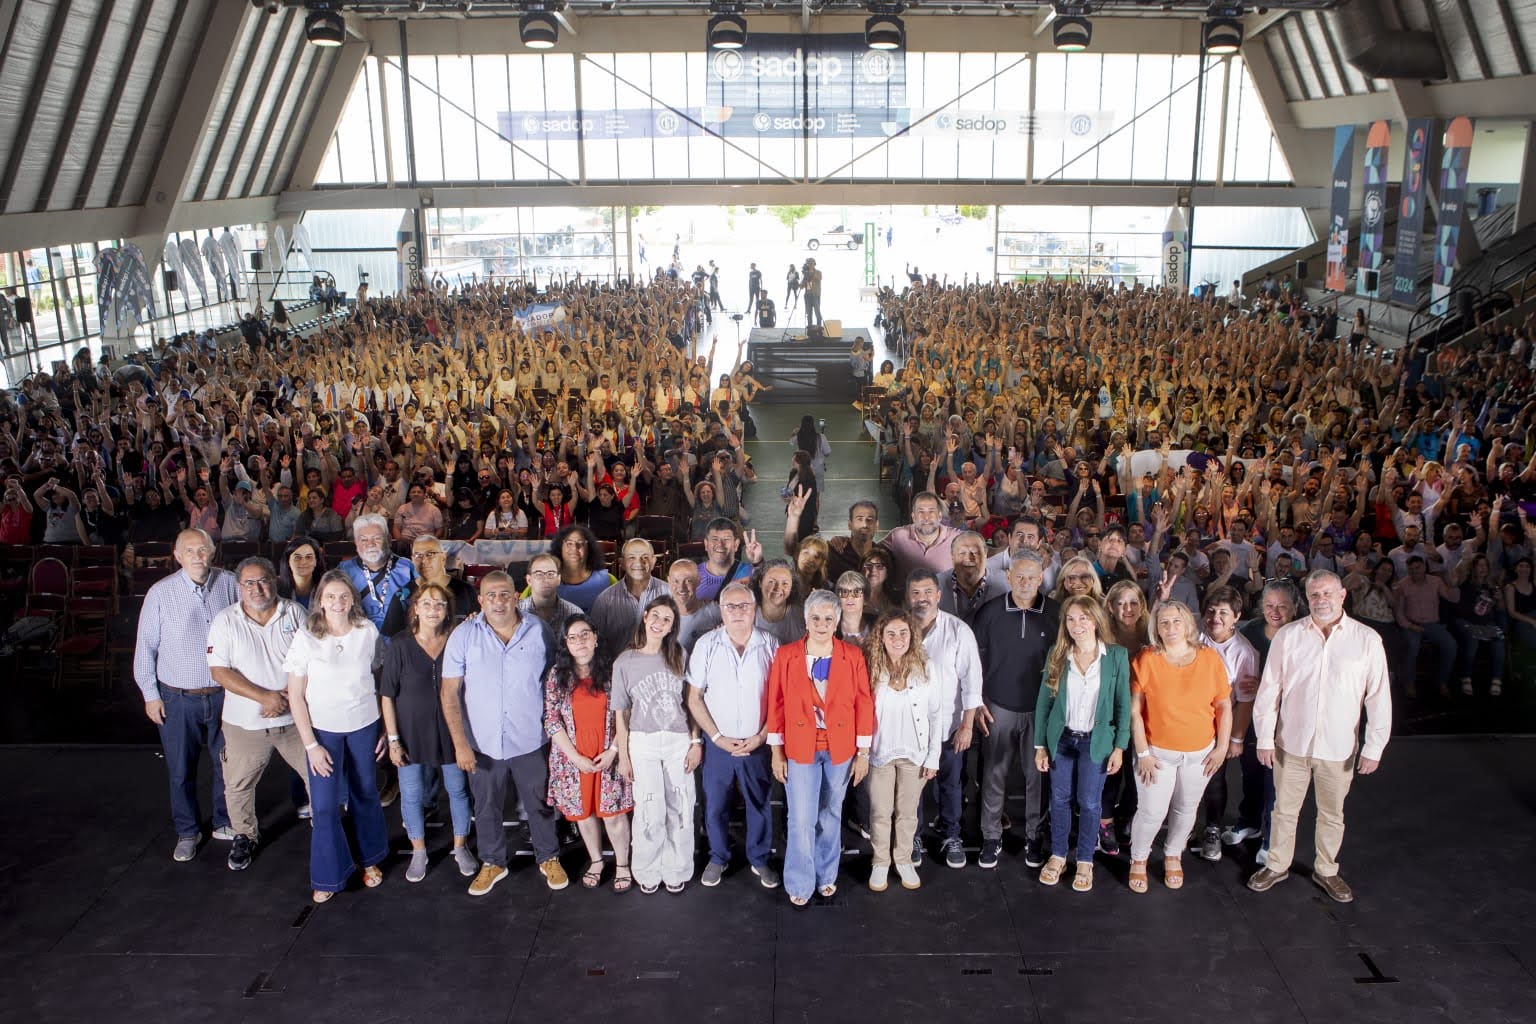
(493,699)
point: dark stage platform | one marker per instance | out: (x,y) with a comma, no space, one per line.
(802,370)
(98,924)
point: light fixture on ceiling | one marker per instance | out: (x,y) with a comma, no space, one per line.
(324,25)
(1071,31)
(884,29)
(538,29)
(1222,31)
(727,30)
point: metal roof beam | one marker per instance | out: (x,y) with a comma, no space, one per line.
(34,99)
(322,126)
(45,196)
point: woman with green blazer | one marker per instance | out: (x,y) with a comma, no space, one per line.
(1083,714)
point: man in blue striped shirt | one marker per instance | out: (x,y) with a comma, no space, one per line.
(170,664)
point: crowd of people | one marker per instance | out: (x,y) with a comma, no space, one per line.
(1134,521)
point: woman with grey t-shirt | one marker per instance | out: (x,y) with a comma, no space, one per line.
(659,747)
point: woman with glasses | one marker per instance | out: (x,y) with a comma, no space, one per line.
(1077,577)
(659,747)
(331,692)
(418,734)
(1181,720)
(884,589)
(1127,612)
(585,784)
(856,618)
(1279,605)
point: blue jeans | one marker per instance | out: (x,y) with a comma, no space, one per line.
(945,794)
(413,792)
(814,844)
(1445,650)
(353,781)
(191,726)
(719,772)
(1469,646)
(1073,767)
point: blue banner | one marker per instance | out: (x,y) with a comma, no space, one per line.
(1453,196)
(813,84)
(1373,205)
(1338,208)
(1410,212)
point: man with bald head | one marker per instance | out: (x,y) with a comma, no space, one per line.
(170,665)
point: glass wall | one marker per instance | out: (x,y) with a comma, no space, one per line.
(650,117)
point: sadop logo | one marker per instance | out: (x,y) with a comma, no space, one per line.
(1081,125)
(878,66)
(667,123)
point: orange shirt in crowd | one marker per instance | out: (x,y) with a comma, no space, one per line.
(1179,704)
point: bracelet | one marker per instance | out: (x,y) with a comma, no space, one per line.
(394,739)
(311,746)
(696,742)
(1144,753)
(716,737)
(1235,741)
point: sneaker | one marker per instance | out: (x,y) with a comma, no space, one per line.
(241,852)
(908,876)
(306,813)
(1238,834)
(417,870)
(486,880)
(1495,688)
(1034,852)
(1109,843)
(676,887)
(1466,687)
(554,874)
(712,874)
(768,877)
(224,833)
(186,849)
(466,861)
(878,878)
(917,851)
(991,849)
(954,852)
(1262,857)
(1210,843)
(389,792)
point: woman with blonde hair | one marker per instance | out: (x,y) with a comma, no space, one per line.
(1181,720)
(910,725)
(1077,576)
(1127,608)
(1084,717)
(811,565)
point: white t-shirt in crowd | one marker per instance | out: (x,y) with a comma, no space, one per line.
(340,692)
(1242,662)
(237,641)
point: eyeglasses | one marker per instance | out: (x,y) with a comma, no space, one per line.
(737,606)
(543,574)
(849,592)
(582,637)
(261,584)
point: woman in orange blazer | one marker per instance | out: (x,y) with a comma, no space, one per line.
(821,718)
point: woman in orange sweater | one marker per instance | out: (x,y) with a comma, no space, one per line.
(1181,718)
(821,719)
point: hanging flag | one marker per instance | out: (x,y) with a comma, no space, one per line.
(301,239)
(214,257)
(106,288)
(229,244)
(1338,214)
(1454,157)
(173,260)
(194,265)
(1410,212)
(1373,207)
(1176,251)
(277,249)
(135,292)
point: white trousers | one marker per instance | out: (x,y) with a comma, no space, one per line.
(1174,795)
(662,843)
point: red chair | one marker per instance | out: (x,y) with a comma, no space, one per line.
(97,581)
(473,574)
(48,589)
(153,553)
(83,653)
(95,554)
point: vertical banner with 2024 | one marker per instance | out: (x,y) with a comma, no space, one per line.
(1410,212)
(1373,204)
(1454,157)
(1338,212)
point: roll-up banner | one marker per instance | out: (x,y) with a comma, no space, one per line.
(1410,212)
(1453,197)
(1338,213)
(1373,208)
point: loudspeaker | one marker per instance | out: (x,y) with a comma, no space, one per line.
(1370,280)
(1301,270)
(815,332)
(168,278)
(834,329)
(256,260)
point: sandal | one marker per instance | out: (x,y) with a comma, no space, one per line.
(676,887)
(621,883)
(321,896)
(1173,873)
(593,876)
(373,877)
(1138,879)
(826,892)
(1051,873)
(799,901)
(649,890)
(1083,880)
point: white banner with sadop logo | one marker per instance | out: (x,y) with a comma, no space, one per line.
(1052,125)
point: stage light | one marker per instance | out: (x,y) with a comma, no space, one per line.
(1223,36)
(324,25)
(539,30)
(727,32)
(1071,33)
(885,32)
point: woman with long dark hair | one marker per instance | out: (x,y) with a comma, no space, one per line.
(814,443)
(584,780)
(583,573)
(302,566)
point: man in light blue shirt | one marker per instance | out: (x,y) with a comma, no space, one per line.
(170,665)
(493,699)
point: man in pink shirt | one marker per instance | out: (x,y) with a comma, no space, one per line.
(1322,671)
(924,543)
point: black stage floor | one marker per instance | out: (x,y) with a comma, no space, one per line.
(98,924)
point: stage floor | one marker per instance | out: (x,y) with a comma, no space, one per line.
(98,924)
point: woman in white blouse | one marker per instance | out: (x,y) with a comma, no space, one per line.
(1083,719)
(910,721)
(331,691)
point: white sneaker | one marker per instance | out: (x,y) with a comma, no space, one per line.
(1261,857)
(306,813)
(1238,834)
(225,833)
(908,876)
(878,876)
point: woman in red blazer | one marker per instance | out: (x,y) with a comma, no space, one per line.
(821,718)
